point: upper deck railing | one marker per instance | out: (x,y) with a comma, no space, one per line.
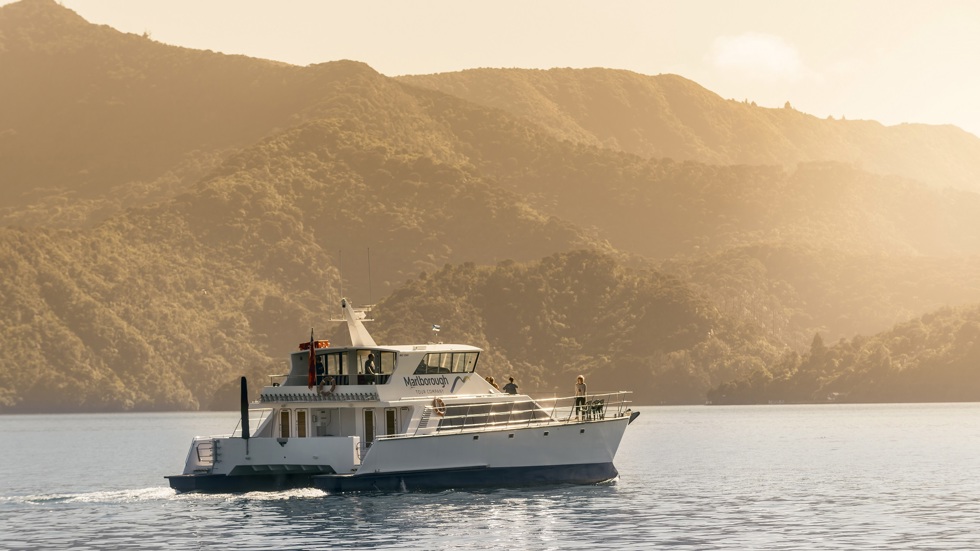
(501,415)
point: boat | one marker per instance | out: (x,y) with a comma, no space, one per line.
(423,420)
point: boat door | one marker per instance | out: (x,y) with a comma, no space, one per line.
(284,423)
(369,429)
(301,423)
(391,421)
(390,424)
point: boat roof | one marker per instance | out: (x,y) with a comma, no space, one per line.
(404,370)
(402,348)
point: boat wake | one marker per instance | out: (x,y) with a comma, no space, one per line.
(109,496)
(296,493)
(153,494)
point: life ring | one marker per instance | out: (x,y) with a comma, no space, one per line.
(323,383)
(439,406)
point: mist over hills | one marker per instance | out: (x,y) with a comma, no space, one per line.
(668,116)
(223,278)
(90,113)
(173,219)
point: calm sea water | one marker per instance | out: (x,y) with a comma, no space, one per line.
(775,477)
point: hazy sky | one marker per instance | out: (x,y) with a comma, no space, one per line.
(889,60)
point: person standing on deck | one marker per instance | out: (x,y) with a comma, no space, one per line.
(580,391)
(370,369)
(510,388)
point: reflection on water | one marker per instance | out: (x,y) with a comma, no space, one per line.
(788,477)
(501,519)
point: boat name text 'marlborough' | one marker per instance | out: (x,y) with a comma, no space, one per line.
(419,380)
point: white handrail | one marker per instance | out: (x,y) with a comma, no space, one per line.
(485,416)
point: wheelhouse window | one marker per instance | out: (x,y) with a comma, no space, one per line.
(321,370)
(384,365)
(447,362)
(387,363)
(331,365)
(346,367)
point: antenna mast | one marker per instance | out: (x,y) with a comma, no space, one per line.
(370,291)
(340,256)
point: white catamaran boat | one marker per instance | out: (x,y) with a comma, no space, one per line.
(423,420)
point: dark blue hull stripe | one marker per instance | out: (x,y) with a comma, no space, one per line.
(219,483)
(468,478)
(480,477)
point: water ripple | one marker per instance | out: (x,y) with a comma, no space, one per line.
(789,478)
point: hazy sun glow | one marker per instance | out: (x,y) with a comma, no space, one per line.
(756,55)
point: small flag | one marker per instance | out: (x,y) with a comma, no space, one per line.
(311,377)
(436,328)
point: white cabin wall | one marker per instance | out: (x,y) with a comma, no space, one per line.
(299,369)
(349,421)
(327,422)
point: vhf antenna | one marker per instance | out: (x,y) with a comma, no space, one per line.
(370,291)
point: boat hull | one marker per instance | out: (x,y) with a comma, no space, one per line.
(575,453)
(480,477)
(474,477)
(531,456)
(220,483)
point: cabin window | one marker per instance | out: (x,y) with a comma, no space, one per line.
(301,423)
(384,365)
(437,363)
(369,426)
(320,369)
(391,421)
(464,362)
(491,414)
(284,423)
(335,367)
(447,362)
(387,363)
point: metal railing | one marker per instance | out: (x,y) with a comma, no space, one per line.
(256,418)
(500,415)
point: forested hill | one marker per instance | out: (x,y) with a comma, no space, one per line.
(93,120)
(672,117)
(580,313)
(185,217)
(932,358)
(162,307)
